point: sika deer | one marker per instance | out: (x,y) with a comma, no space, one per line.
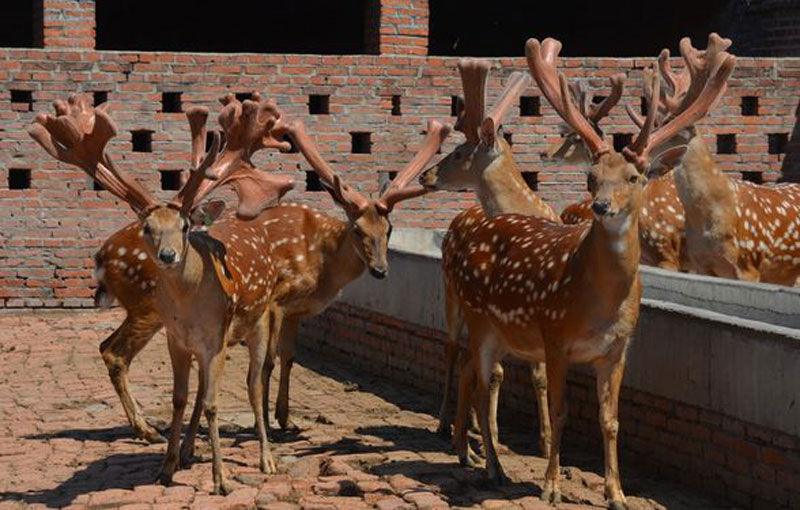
(212,286)
(315,256)
(485,163)
(563,293)
(734,229)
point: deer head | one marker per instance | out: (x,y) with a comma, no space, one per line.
(616,179)
(78,135)
(485,150)
(369,217)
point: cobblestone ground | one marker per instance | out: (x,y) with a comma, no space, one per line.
(362,442)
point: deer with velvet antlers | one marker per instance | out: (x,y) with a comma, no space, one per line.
(208,287)
(314,254)
(485,163)
(563,293)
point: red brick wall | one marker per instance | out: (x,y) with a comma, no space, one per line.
(752,466)
(48,233)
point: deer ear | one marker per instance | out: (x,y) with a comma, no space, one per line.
(207,213)
(488,132)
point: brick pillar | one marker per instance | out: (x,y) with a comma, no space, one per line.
(403,27)
(65,23)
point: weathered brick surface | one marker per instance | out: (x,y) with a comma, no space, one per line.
(751,466)
(364,442)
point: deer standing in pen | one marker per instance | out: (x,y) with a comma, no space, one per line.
(564,293)
(734,229)
(485,163)
(212,287)
(315,255)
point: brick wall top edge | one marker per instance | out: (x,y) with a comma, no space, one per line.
(50,53)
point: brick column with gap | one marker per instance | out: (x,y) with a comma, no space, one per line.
(64,23)
(403,28)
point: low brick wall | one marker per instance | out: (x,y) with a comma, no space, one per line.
(707,400)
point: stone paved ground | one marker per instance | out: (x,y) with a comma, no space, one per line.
(363,442)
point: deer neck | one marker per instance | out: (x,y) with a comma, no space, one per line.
(708,196)
(502,190)
(608,259)
(342,262)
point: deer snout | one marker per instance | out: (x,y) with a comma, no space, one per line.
(379,272)
(601,207)
(167,255)
(428,178)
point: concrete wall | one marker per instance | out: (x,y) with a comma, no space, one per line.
(709,398)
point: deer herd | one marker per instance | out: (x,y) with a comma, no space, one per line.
(523,280)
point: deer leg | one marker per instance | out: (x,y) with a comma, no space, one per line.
(187,446)
(212,365)
(258,344)
(181,365)
(451,348)
(118,350)
(539,376)
(556,367)
(275,326)
(466,386)
(286,350)
(609,380)
(488,385)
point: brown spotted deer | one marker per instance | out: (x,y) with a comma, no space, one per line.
(315,256)
(212,286)
(734,229)
(484,163)
(563,294)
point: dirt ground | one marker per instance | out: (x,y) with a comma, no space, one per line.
(363,442)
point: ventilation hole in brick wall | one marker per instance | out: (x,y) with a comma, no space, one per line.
(171,102)
(726,144)
(598,99)
(777,142)
(531,179)
(756,177)
(19,178)
(243,96)
(99,97)
(95,186)
(22,100)
(621,140)
(392,175)
(530,106)
(360,142)
(749,106)
(313,183)
(170,180)
(644,106)
(509,138)
(455,106)
(319,104)
(210,138)
(142,140)
(396,102)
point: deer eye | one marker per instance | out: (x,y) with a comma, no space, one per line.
(147,230)
(633,178)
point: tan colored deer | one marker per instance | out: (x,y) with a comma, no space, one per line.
(563,293)
(213,286)
(734,229)
(484,163)
(315,256)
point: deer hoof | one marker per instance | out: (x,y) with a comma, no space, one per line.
(223,489)
(268,465)
(497,477)
(551,496)
(164,478)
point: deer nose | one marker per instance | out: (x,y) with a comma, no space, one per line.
(167,255)
(379,272)
(601,207)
